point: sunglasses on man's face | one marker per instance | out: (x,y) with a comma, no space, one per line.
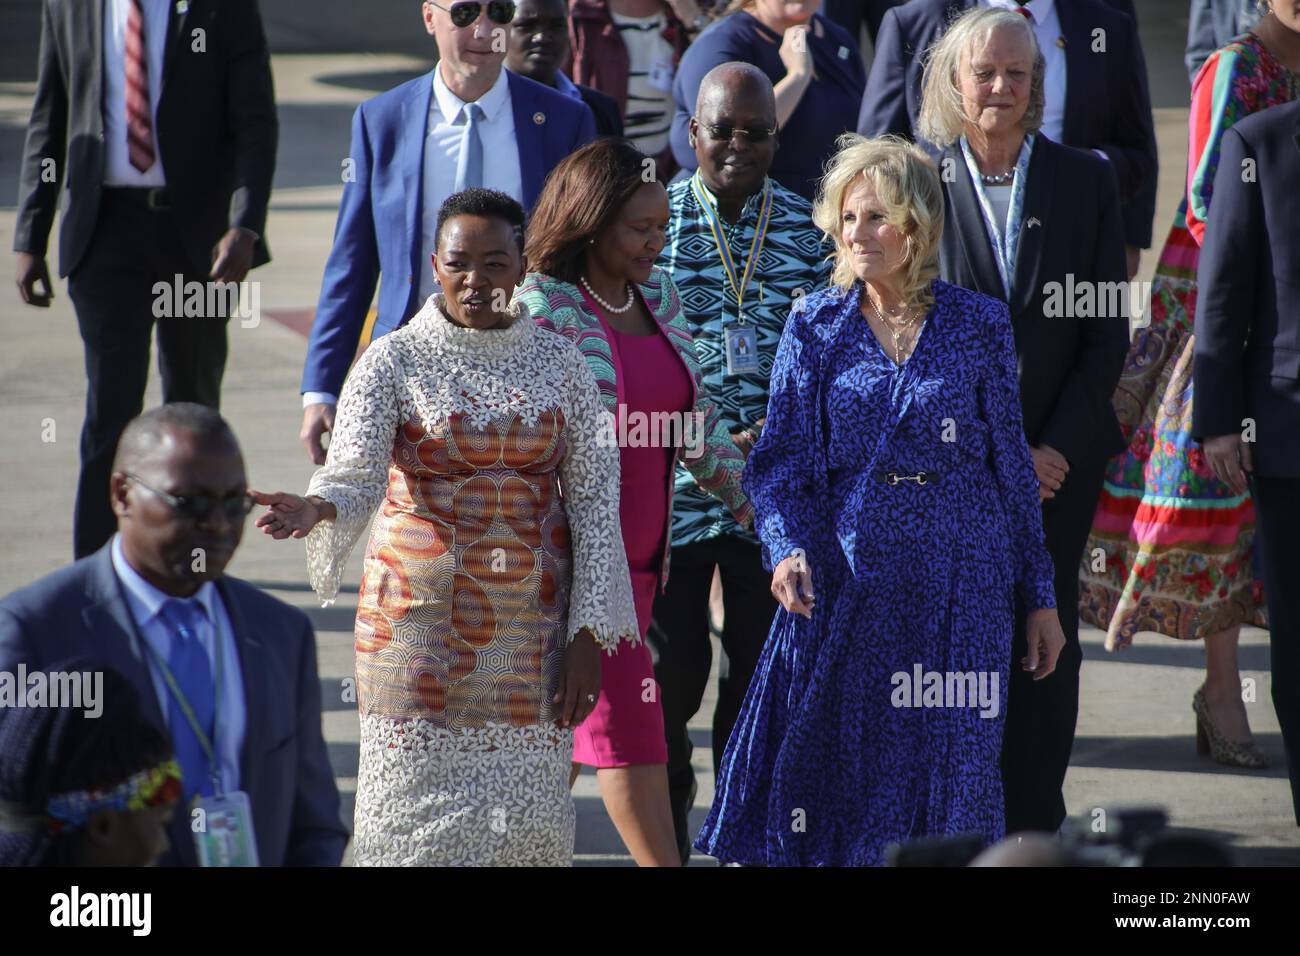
(201,507)
(463,14)
(724,134)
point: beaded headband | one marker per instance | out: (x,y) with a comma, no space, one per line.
(151,787)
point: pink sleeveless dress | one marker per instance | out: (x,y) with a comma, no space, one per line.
(627,726)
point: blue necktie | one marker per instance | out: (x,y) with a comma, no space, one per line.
(469,168)
(190,667)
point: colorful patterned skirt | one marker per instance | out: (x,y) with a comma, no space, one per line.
(1171,546)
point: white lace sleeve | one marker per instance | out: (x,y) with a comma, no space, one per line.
(355,473)
(601,596)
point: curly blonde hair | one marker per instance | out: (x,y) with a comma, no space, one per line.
(907,187)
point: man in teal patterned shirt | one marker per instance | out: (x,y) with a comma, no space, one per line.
(741,248)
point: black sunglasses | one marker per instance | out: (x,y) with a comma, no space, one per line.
(201,507)
(723,134)
(463,14)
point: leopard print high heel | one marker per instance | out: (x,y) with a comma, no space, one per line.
(1209,740)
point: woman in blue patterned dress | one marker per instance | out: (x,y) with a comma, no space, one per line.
(893,466)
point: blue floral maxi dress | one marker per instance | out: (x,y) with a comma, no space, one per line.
(833,758)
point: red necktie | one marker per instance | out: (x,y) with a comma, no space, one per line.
(1024,11)
(139,121)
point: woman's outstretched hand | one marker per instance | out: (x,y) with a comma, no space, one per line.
(289,515)
(792,585)
(1046,641)
(579,680)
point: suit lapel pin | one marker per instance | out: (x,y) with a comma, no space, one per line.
(183,7)
(844,53)
(1060,41)
(539,118)
(1033,221)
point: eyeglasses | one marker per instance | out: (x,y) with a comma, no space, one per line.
(724,133)
(463,14)
(201,507)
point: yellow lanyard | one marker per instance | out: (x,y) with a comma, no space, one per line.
(738,286)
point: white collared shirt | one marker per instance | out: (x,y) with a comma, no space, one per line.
(442,144)
(118,170)
(145,601)
(444,131)
(1047,28)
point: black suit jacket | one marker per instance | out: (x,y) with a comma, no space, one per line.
(1246,362)
(215,128)
(1107,103)
(80,611)
(609,121)
(1070,227)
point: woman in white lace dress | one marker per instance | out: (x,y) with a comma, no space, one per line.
(495,571)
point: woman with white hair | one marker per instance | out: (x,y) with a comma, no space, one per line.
(893,468)
(1037,225)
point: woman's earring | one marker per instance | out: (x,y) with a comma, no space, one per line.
(591,242)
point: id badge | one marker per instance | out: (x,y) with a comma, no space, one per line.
(661,76)
(741,344)
(223,832)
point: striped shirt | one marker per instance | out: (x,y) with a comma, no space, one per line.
(649,113)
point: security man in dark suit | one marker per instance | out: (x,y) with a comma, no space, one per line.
(539,44)
(157,122)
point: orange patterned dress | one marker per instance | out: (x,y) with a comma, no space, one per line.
(496,539)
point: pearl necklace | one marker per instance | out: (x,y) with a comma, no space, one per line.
(617,310)
(998,179)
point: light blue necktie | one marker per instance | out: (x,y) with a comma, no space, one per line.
(469,168)
(189,664)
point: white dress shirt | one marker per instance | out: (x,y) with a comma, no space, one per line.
(442,144)
(1000,200)
(145,601)
(1047,28)
(118,170)
(444,133)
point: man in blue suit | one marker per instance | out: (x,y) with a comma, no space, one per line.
(468,122)
(226,671)
(1246,370)
(1095,87)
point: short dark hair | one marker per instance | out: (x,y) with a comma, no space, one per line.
(583,195)
(485,203)
(144,433)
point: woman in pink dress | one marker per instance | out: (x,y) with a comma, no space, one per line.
(592,242)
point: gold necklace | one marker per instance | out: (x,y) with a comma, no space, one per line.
(896,330)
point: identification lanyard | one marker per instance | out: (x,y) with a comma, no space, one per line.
(738,285)
(209,748)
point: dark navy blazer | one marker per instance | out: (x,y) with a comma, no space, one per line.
(1107,103)
(1246,362)
(81,611)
